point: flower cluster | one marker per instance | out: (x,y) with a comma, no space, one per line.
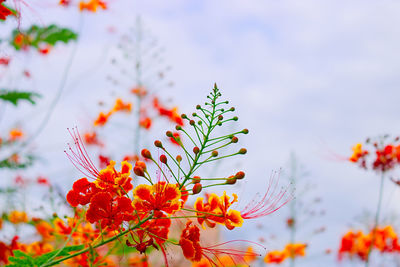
(119,106)
(290,251)
(358,244)
(144,214)
(387,154)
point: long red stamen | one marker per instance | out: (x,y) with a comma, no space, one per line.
(80,158)
(270,202)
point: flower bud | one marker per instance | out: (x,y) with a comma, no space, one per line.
(196,179)
(194,114)
(179,158)
(214,153)
(198,107)
(196,150)
(192,122)
(146,154)
(242,151)
(183,116)
(138,171)
(231,180)
(234,139)
(158,143)
(197,188)
(220,117)
(169,134)
(239,175)
(141,164)
(245,131)
(178,127)
(235,118)
(163,159)
(232,109)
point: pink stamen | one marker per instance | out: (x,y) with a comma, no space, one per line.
(270,202)
(80,158)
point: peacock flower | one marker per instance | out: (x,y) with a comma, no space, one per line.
(215,210)
(161,196)
(113,181)
(17,217)
(92,5)
(109,211)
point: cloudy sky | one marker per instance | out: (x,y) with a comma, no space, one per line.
(310,77)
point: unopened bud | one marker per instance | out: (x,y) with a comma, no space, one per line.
(245,131)
(232,109)
(179,158)
(183,116)
(220,117)
(214,153)
(231,180)
(196,179)
(192,122)
(141,164)
(194,114)
(239,175)
(235,118)
(198,107)
(169,134)
(138,171)
(242,151)
(163,159)
(234,139)
(196,150)
(158,143)
(178,127)
(146,154)
(197,188)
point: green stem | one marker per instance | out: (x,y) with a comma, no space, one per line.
(98,245)
(376,222)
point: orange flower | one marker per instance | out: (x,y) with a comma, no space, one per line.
(193,251)
(358,153)
(145,123)
(297,249)
(121,106)
(45,230)
(92,5)
(15,134)
(161,196)
(102,119)
(276,256)
(113,181)
(216,211)
(358,244)
(139,91)
(17,217)
(91,139)
(172,114)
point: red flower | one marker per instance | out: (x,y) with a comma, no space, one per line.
(82,192)
(161,196)
(4,60)
(172,114)
(4,11)
(108,211)
(113,181)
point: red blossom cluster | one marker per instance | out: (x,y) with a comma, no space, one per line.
(387,154)
(357,244)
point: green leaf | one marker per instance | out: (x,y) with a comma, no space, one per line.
(22,259)
(15,96)
(36,36)
(11,164)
